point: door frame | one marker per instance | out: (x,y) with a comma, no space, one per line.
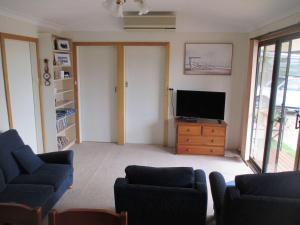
(281,34)
(121,85)
(7,36)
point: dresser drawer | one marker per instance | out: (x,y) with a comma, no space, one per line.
(189,140)
(199,150)
(213,131)
(213,141)
(189,130)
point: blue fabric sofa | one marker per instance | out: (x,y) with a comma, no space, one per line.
(162,196)
(41,188)
(260,199)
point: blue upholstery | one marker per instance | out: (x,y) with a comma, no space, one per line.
(29,161)
(47,174)
(27,194)
(161,205)
(64,157)
(164,177)
(287,184)
(9,141)
(43,187)
(262,199)
(2,181)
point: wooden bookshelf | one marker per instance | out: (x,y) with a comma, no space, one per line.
(60,94)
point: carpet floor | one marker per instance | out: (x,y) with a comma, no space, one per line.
(97,165)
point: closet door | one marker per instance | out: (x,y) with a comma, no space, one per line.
(23,90)
(97,97)
(4,125)
(144,68)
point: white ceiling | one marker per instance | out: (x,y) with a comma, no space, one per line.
(193,15)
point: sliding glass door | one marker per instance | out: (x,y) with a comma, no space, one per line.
(262,102)
(275,126)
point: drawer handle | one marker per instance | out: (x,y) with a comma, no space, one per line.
(212,140)
(187,149)
(211,150)
(213,131)
(187,140)
(188,130)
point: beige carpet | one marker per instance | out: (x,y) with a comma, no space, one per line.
(97,165)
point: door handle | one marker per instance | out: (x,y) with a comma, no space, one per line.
(297,126)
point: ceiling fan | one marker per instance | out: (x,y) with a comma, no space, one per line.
(116,7)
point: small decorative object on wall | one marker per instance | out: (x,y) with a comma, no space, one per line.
(62,44)
(208,59)
(62,59)
(46,74)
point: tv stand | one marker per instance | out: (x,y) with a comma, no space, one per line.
(200,137)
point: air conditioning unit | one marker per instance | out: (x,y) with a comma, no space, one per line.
(150,21)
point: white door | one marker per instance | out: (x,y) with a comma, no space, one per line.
(144,67)
(97,97)
(23,88)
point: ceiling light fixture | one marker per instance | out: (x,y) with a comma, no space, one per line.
(116,7)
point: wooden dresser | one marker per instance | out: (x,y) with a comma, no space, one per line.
(204,137)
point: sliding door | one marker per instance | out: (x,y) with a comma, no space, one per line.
(21,60)
(144,73)
(262,102)
(97,97)
(275,128)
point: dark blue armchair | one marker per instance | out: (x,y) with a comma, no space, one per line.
(257,199)
(162,196)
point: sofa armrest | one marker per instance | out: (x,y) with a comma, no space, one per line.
(259,210)
(63,157)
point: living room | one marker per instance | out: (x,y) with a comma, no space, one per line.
(104,86)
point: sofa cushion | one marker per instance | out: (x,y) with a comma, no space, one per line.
(2,181)
(9,141)
(29,161)
(27,194)
(168,176)
(286,184)
(47,174)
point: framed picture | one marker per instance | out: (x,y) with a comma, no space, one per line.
(62,59)
(208,59)
(63,44)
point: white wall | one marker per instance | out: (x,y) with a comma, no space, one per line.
(14,26)
(3,109)
(233,85)
(276,25)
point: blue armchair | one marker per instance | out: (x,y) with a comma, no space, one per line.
(257,199)
(162,196)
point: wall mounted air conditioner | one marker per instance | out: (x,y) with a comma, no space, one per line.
(152,20)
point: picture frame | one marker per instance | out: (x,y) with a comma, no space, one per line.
(208,58)
(62,59)
(62,44)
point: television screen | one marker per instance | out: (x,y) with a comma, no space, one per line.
(201,104)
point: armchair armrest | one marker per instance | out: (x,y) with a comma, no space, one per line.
(64,157)
(218,188)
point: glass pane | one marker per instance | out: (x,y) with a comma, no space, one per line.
(262,101)
(288,147)
(278,115)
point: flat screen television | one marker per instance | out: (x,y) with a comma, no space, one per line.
(200,104)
